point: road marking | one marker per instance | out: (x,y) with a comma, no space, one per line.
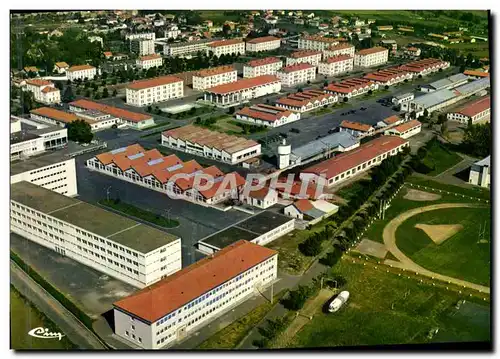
(123,230)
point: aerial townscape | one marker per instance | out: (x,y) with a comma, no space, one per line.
(250,179)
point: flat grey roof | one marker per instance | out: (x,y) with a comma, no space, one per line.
(484,162)
(434,98)
(43,131)
(449,81)
(124,231)
(21,136)
(474,86)
(42,160)
(318,146)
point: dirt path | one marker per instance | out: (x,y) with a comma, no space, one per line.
(389,236)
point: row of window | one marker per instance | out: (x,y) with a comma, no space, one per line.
(101,240)
(47,168)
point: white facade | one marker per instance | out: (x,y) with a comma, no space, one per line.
(473,113)
(371,57)
(142,47)
(144,36)
(257,45)
(348,50)
(172,32)
(479,174)
(205,79)
(291,77)
(81,72)
(262,67)
(15,124)
(59,176)
(43,91)
(185,48)
(105,254)
(312,59)
(148,92)
(228,47)
(405,130)
(263,198)
(254,116)
(36,142)
(316,43)
(147,62)
(306,101)
(26,148)
(334,66)
(398,100)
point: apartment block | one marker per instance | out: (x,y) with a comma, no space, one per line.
(307,56)
(147,92)
(316,42)
(336,65)
(266,43)
(374,56)
(149,61)
(142,47)
(212,77)
(226,47)
(296,74)
(266,66)
(43,91)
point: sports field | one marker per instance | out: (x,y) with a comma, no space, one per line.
(387,309)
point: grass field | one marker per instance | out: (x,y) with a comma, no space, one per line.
(479,48)
(225,124)
(387,309)
(472,191)
(460,256)
(440,158)
(24,317)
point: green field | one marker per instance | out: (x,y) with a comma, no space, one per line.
(472,191)
(387,309)
(24,317)
(440,159)
(460,256)
(479,48)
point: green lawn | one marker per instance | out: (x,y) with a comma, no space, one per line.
(351,190)
(472,191)
(460,256)
(140,213)
(440,159)
(479,48)
(387,309)
(24,317)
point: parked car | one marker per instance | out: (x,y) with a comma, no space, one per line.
(363,108)
(338,302)
(295,130)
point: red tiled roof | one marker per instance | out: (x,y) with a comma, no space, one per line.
(351,159)
(356,126)
(50,89)
(243,84)
(303,205)
(107,53)
(38,82)
(225,42)
(349,85)
(80,68)
(392,119)
(214,71)
(385,75)
(339,47)
(114,111)
(107,157)
(150,57)
(261,62)
(420,65)
(156,301)
(337,58)
(475,107)
(54,114)
(300,99)
(259,193)
(297,67)
(476,73)
(260,40)
(406,126)
(295,190)
(157,81)
(320,38)
(62,64)
(254,112)
(304,53)
(372,50)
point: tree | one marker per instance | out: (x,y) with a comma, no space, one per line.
(79,131)
(444,129)
(308,82)
(87,93)
(114,92)
(477,140)
(105,92)
(231,110)
(149,108)
(426,113)
(300,89)
(346,98)
(413,115)
(28,102)
(68,95)
(325,84)
(370,92)
(297,298)
(386,87)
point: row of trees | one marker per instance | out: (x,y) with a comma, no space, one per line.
(477,140)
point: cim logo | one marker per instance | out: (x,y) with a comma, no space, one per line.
(43,333)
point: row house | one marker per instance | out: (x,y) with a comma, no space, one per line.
(147,92)
(306,56)
(389,77)
(266,115)
(306,101)
(425,66)
(259,67)
(336,65)
(351,87)
(296,74)
(474,111)
(212,77)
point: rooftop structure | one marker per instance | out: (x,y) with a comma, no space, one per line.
(262,62)
(259,40)
(264,112)
(296,67)
(372,50)
(304,53)
(157,81)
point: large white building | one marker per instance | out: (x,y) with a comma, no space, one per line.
(226,47)
(144,36)
(266,43)
(243,90)
(259,67)
(81,72)
(446,83)
(43,91)
(336,65)
(212,77)
(374,56)
(146,62)
(147,92)
(296,74)
(316,42)
(26,143)
(266,115)
(405,130)
(196,295)
(168,175)
(474,111)
(211,144)
(480,173)
(306,101)
(311,57)
(142,47)
(117,246)
(340,49)
(186,48)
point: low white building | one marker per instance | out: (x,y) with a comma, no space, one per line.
(311,57)
(446,83)
(172,32)
(211,144)
(389,121)
(224,280)
(147,92)
(425,67)
(296,74)
(82,72)
(15,124)
(266,115)
(340,49)
(261,198)
(226,47)
(60,67)
(266,43)
(374,56)
(259,67)
(389,76)
(316,42)
(142,47)
(242,90)
(400,99)
(149,61)
(474,111)
(356,129)
(405,130)
(351,87)
(310,211)
(43,91)
(336,65)
(27,143)
(306,101)
(107,242)
(479,174)
(212,77)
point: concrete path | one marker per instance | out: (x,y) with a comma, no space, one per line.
(75,330)
(389,236)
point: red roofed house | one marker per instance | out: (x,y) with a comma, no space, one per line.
(425,66)
(310,211)
(356,129)
(261,198)
(259,67)
(147,92)
(266,43)
(405,130)
(296,74)
(371,57)
(473,111)
(312,57)
(179,305)
(342,167)
(242,90)
(226,47)
(336,65)
(81,72)
(351,87)
(475,74)
(306,100)
(215,76)
(266,115)
(107,55)
(389,121)
(43,91)
(389,76)
(60,67)
(148,61)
